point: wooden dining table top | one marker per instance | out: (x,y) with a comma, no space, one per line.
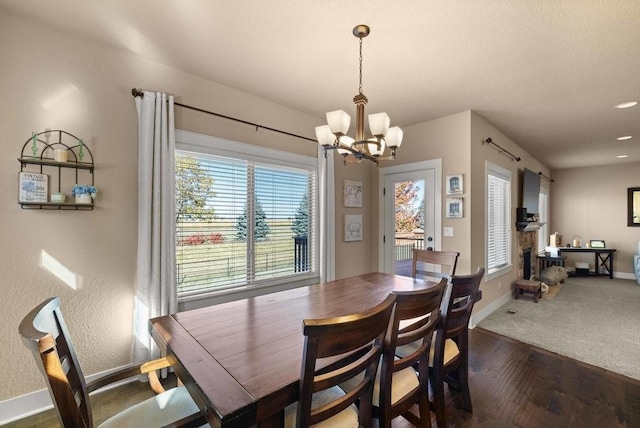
(241,360)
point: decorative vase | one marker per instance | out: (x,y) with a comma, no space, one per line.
(84,198)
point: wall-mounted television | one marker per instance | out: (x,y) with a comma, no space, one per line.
(531,192)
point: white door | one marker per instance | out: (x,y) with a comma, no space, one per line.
(411,207)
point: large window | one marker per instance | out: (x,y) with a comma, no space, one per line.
(246,216)
(498,181)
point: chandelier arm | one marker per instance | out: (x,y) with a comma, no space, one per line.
(356,153)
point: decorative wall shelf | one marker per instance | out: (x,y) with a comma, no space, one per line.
(38,158)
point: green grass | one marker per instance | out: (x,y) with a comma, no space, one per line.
(225,264)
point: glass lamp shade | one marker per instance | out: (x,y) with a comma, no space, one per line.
(324,136)
(373,148)
(394,137)
(379,124)
(339,122)
(347,141)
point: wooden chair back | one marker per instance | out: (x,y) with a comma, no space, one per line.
(45,333)
(338,349)
(455,313)
(457,307)
(419,309)
(422,259)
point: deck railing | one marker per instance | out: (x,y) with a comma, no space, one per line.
(405,246)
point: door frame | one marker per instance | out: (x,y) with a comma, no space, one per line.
(436,165)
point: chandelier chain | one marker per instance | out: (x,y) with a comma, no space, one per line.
(360,86)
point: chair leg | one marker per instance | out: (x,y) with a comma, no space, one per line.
(463,377)
(459,381)
(425,414)
(437,388)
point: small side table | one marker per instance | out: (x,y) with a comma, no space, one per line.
(527,286)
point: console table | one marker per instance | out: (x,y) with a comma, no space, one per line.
(603,258)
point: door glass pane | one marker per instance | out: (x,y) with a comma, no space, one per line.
(409,212)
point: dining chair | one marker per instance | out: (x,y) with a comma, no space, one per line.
(335,350)
(423,259)
(403,381)
(449,359)
(45,333)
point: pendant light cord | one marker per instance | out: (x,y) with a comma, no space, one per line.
(360,87)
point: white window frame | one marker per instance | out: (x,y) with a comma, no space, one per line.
(499,172)
(206,144)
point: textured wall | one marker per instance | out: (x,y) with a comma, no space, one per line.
(53,80)
(592,203)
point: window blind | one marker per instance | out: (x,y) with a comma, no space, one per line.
(241,222)
(499,218)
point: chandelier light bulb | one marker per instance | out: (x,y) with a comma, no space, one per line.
(379,124)
(339,122)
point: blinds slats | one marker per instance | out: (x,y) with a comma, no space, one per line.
(216,199)
(498,216)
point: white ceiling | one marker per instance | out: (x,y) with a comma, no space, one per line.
(547,73)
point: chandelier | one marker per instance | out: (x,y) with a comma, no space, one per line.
(333,136)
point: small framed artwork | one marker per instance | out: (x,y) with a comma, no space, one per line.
(597,243)
(34,187)
(353,227)
(352,194)
(455,184)
(455,208)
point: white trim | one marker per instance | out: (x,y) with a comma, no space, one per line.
(624,275)
(498,273)
(436,165)
(38,401)
(476,317)
(186,140)
(327,215)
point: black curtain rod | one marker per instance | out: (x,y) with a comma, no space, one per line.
(507,152)
(137,93)
(545,177)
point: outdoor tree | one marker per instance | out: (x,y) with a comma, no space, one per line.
(261,228)
(300,226)
(421,215)
(407,213)
(194,190)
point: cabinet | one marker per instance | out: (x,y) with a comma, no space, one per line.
(65,160)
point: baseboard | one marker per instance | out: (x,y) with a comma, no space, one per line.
(624,275)
(35,402)
(476,317)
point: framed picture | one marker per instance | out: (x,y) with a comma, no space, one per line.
(597,243)
(455,184)
(34,187)
(352,194)
(455,208)
(353,227)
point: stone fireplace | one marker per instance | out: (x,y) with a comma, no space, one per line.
(527,254)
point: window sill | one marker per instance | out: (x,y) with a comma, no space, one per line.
(496,273)
(216,297)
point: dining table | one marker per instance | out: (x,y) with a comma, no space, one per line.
(241,360)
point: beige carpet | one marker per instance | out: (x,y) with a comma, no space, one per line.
(593,320)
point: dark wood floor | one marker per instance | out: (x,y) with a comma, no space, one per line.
(512,385)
